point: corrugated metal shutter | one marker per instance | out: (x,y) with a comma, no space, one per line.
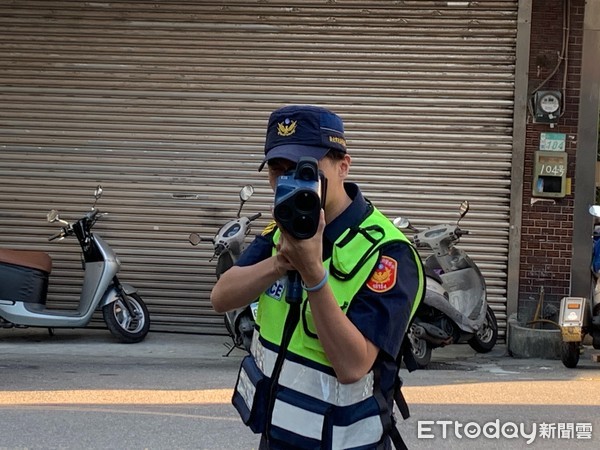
(165,104)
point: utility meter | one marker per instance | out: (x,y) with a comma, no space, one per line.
(547,106)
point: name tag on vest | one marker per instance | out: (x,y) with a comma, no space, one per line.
(277,289)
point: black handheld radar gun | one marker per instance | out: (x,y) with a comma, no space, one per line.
(299,197)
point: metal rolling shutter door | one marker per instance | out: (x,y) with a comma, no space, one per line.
(165,105)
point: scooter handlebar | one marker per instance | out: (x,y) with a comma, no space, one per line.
(254,217)
(60,234)
(95,214)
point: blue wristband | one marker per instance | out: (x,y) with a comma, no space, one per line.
(319,285)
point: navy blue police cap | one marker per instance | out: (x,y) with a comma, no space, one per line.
(303,130)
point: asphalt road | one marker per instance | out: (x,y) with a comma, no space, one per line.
(81,390)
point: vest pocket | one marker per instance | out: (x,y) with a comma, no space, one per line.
(250,396)
(298,420)
(356,426)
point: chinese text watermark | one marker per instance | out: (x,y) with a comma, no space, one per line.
(430,429)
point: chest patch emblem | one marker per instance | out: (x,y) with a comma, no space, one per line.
(384,277)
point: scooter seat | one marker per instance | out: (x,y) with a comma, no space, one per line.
(27,258)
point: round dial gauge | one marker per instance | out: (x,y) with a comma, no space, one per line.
(549,103)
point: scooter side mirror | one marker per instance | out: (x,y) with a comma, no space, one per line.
(52,216)
(195,239)
(595,210)
(246,193)
(97,195)
(464,208)
(401,222)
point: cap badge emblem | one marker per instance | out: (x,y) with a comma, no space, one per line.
(286,128)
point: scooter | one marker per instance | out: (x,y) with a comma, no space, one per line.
(24,277)
(455,308)
(228,244)
(578,316)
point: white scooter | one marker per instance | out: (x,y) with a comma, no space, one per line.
(455,306)
(24,277)
(228,244)
(578,316)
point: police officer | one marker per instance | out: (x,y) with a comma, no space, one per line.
(322,374)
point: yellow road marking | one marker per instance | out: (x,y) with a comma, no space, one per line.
(572,392)
(116,396)
(547,392)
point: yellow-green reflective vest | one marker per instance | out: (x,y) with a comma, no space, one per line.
(354,257)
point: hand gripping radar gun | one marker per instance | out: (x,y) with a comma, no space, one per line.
(299,197)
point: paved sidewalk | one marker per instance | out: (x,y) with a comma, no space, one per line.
(99,342)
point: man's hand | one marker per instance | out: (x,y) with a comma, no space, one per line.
(304,255)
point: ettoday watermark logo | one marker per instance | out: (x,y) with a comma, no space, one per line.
(444,429)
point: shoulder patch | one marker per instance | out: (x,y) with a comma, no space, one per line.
(269,228)
(384,277)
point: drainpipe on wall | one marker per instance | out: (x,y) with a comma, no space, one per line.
(518,154)
(587,148)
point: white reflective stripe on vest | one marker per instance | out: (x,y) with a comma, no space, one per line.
(313,382)
(364,432)
(297,420)
(310,425)
(246,389)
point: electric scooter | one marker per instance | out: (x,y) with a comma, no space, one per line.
(228,244)
(455,307)
(24,277)
(578,316)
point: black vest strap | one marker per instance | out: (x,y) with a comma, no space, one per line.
(403,408)
(410,363)
(387,417)
(400,400)
(406,354)
(397,439)
(291,321)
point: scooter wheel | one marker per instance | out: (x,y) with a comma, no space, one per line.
(569,354)
(485,339)
(122,325)
(596,339)
(421,353)
(420,348)
(245,330)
